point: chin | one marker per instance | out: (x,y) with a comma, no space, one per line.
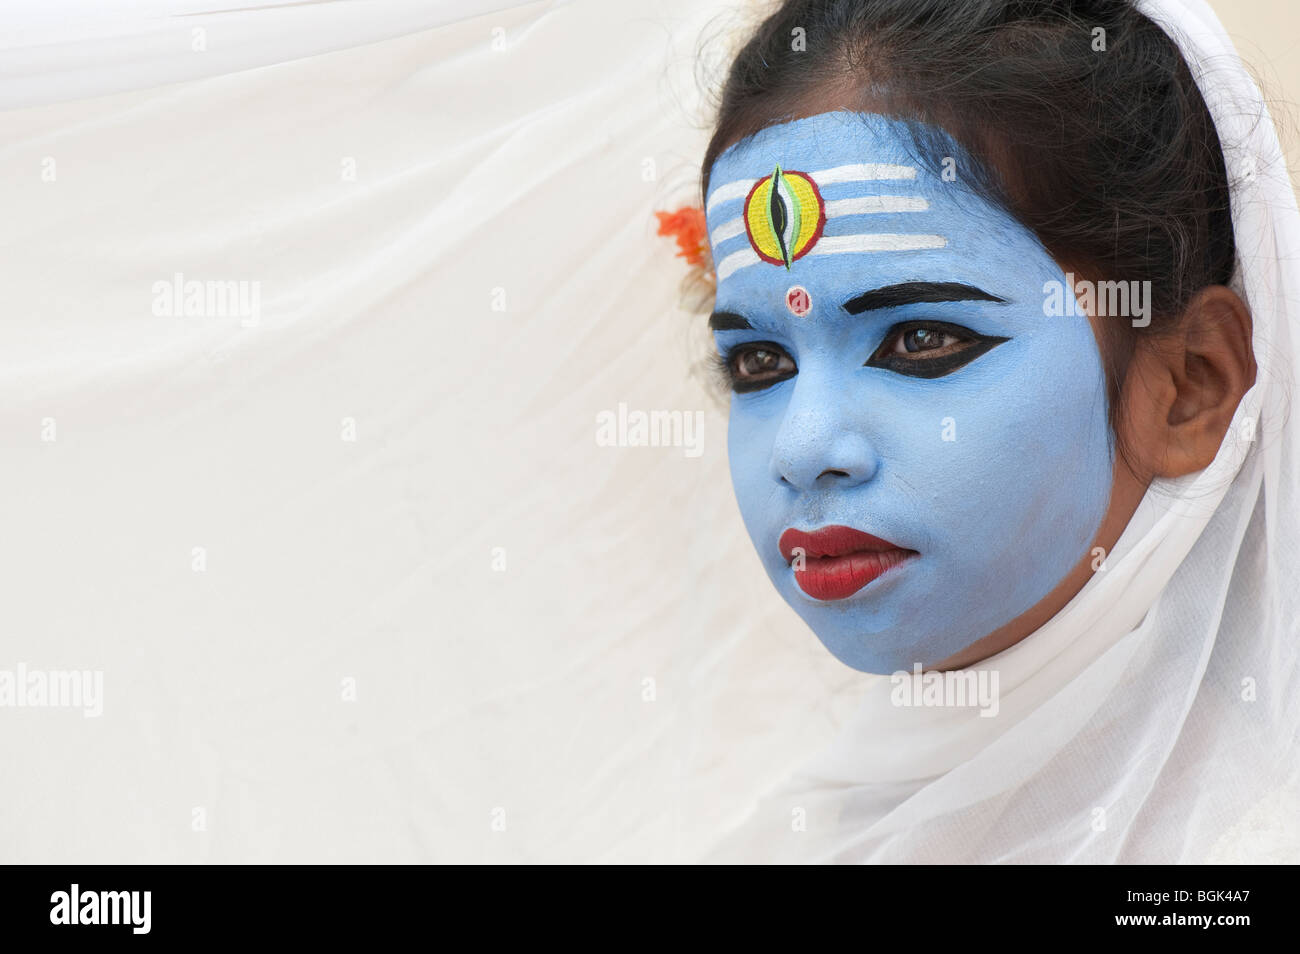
(870,632)
(865,655)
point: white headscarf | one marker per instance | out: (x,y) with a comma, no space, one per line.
(1154,718)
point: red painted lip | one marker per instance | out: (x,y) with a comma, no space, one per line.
(838,561)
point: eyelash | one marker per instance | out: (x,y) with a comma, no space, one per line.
(724,367)
(883,357)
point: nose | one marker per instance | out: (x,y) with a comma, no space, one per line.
(823,442)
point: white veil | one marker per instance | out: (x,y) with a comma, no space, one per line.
(1154,719)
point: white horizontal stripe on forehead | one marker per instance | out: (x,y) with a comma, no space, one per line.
(736,261)
(863,172)
(732,190)
(872,204)
(856,172)
(727,230)
(840,245)
(862,205)
(834,244)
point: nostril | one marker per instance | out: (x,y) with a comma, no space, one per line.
(834,473)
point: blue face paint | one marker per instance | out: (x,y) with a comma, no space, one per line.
(946,431)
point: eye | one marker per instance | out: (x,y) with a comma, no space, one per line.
(923,339)
(757,365)
(930,349)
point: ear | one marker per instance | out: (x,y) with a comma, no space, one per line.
(1183,386)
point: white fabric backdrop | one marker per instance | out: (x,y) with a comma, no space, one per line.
(55,50)
(477,168)
(623,689)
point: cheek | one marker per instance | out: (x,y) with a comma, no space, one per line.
(750,434)
(763,500)
(1019,479)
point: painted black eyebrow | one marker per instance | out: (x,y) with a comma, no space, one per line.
(728,321)
(914,293)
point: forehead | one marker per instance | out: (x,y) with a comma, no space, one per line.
(837,201)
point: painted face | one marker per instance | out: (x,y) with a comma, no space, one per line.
(919,454)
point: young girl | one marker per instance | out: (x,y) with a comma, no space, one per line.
(1003,293)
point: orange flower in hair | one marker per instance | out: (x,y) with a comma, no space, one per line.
(687,224)
(688,227)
